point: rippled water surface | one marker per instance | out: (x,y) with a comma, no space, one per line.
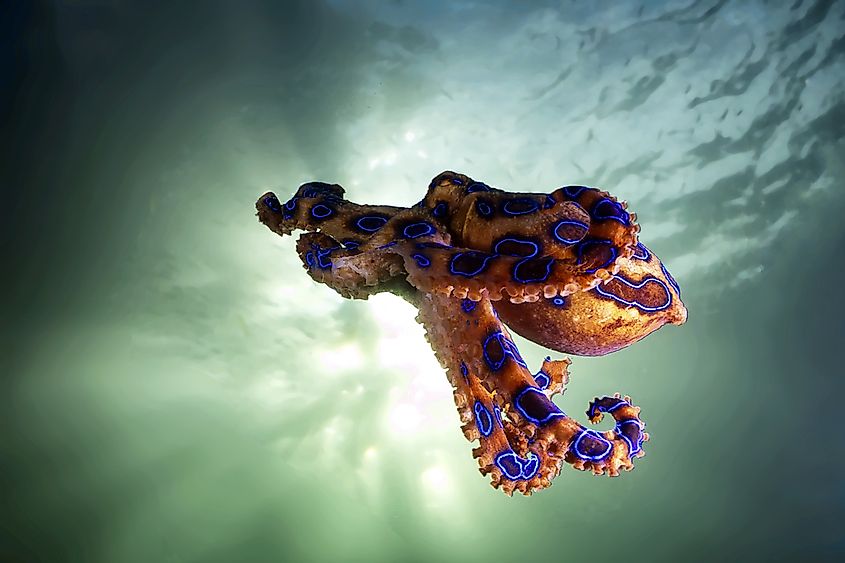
(175,388)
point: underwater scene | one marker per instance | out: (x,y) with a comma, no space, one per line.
(472,198)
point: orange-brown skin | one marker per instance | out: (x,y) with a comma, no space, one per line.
(563,269)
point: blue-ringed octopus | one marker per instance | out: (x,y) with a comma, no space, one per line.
(563,269)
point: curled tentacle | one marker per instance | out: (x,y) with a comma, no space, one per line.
(482,360)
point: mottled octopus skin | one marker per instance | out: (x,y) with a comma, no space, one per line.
(564,269)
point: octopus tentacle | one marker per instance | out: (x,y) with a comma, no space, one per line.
(352,273)
(504,451)
(553,376)
(317,206)
(537,428)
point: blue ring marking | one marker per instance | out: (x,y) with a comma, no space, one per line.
(388,245)
(290,206)
(615,213)
(321,211)
(272,202)
(483,208)
(483,419)
(494,365)
(550,202)
(574,448)
(621,402)
(498,250)
(670,279)
(508,206)
(563,223)
(595,406)
(371,223)
(310,192)
(552,414)
(478,187)
(419,229)
(632,448)
(498,413)
(508,349)
(572,192)
(558,301)
(469,254)
(538,277)
(543,380)
(513,351)
(457,181)
(464,372)
(309,259)
(441,209)
(468,305)
(321,256)
(641,252)
(351,244)
(515,468)
(632,285)
(579,249)
(422,260)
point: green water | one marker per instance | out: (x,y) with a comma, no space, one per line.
(176,389)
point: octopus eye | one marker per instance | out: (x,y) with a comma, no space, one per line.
(272,202)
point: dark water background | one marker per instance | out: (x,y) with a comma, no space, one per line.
(174,388)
